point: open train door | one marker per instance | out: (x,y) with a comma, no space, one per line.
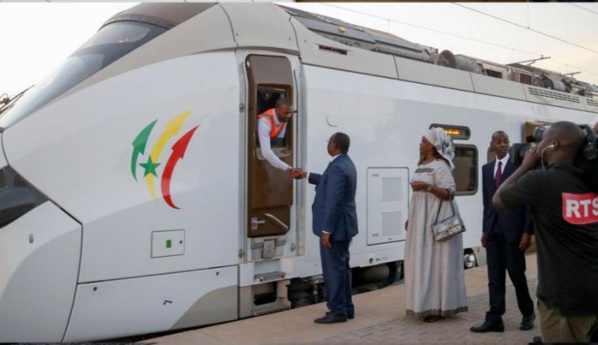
(530,127)
(269,230)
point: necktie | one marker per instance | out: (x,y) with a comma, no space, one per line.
(498,175)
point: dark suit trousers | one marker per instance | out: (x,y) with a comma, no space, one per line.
(504,256)
(337,277)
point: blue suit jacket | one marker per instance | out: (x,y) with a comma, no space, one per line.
(334,205)
(511,222)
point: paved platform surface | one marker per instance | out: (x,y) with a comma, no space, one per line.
(379,319)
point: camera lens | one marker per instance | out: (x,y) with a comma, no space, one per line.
(518,151)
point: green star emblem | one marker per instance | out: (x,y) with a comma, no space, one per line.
(150,167)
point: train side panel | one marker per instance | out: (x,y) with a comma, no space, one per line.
(141,153)
(38,274)
(386,119)
(167,131)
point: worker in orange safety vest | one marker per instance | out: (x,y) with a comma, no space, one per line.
(273,124)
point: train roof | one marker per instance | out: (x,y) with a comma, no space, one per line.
(329,42)
(360,37)
(386,43)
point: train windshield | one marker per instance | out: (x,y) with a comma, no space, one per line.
(109,44)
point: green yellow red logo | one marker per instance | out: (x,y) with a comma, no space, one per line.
(151,165)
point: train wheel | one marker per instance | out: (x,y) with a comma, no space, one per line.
(469,260)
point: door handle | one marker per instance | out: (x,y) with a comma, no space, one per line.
(277,221)
(255,223)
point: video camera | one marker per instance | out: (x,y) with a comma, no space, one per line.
(518,151)
(589,149)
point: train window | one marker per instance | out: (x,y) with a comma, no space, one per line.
(124,32)
(110,43)
(17,196)
(466,169)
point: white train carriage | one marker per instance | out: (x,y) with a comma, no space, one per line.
(134,198)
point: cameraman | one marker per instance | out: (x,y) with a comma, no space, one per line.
(565,212)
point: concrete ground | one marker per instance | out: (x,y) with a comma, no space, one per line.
(379,318)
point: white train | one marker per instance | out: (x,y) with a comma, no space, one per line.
(134,199)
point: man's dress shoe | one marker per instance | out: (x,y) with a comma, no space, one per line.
(350,315)
(488,326)
(331,318)
(527,322)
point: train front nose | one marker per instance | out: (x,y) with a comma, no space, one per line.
(39,261)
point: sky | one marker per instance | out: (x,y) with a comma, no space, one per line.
(36,36)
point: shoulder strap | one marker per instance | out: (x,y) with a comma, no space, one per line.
(440,206)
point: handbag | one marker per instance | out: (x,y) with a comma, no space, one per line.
(448,227)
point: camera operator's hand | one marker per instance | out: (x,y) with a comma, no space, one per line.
(525,241)
(530,162)
(531,159)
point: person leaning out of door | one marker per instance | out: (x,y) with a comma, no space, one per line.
(273,124)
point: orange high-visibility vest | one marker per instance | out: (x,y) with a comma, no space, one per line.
(269,116)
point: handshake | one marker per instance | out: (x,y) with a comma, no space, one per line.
(298,173)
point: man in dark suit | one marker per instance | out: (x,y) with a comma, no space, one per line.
(335,223)
(506,236)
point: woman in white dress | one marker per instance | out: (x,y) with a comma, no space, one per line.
(434,276)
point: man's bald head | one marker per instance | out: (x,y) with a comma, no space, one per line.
(564,138)
(566,133)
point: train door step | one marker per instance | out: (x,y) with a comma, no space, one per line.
(270,276)
(269,308)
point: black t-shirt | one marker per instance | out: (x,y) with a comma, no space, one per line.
(565,213)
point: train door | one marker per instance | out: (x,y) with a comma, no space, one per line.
(269,231)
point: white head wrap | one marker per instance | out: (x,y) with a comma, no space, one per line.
(442,142)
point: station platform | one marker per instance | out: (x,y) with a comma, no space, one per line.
(379,319)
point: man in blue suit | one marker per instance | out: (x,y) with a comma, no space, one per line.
(335,223)
(506,236)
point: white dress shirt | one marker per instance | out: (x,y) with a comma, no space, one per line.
(504,161)
(263,134)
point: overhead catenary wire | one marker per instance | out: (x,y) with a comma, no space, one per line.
(526,28)
(541,33)
(573,66)
(583,8)
(464,37)
(435,30)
